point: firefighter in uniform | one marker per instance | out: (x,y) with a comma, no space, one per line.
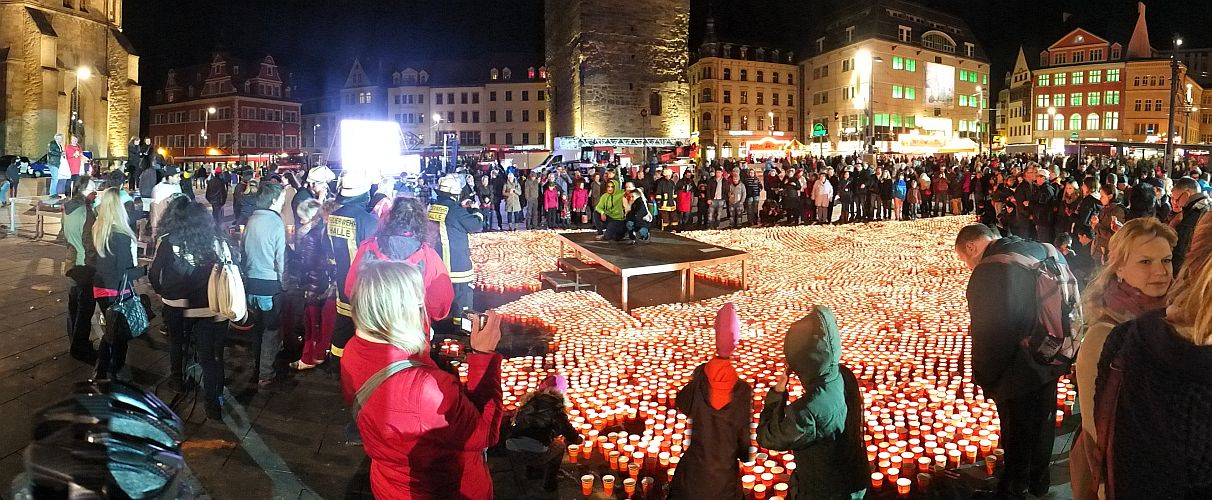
(348,226)
(455,218)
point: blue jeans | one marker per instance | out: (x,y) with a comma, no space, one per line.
(4,185)
(54,180)
(640,232)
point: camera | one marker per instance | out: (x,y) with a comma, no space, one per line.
(471,318)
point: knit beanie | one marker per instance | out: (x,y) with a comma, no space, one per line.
(557,382)
(727,330)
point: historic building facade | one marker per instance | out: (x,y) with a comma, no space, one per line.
(743,98)
(618,69)
(66,67)
(918,74)
(497,101)
(228,107)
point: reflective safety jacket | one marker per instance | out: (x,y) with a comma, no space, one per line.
(453,224)
(348,227)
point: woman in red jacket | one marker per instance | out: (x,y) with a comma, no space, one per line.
(402,237)
(424,432)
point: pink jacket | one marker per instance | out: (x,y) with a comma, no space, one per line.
(580,198)
(551,199)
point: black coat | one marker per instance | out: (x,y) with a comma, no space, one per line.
(1002,302)
(710,465)
(1197,206)
(1160,446)
(1043,205)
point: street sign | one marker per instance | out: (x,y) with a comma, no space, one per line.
(818,130)
(1073,135)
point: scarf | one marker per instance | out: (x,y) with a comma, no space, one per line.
(1126,299)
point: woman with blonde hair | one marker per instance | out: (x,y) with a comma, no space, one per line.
(1153,394)
(425,432)
(1137,276)
(117,270)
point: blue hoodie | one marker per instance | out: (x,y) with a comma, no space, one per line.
(899,189)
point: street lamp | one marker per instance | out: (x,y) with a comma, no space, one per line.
(644,139)
(314,128)
(1178,42)
(82,73)
(206,126)
(980,108)
(870,112)
(1051,125)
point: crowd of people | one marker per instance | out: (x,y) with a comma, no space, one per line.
(1124,249)
(368,269)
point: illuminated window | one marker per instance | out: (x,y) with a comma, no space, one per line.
(1092,121)
(1059,79)
(1092,98)
(1096,76)
(1075,122)
(493,74)
(1058,122)
(530,72)
(1043,80)
(1075,99)
(506,74)
(937,40)
(1041,122)
(1079,77)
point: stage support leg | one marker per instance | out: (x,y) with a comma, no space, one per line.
(625,308)
(690,288)
(684,272)
(744,276)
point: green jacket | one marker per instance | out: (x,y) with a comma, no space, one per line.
(611,205)
(75,216)
(824,427)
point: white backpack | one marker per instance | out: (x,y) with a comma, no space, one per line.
(225,292)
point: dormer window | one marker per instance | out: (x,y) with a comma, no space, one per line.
(1115,52)
(506,74)
(543,72)
(493,74)
(530,73)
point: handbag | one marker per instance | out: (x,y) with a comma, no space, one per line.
(129,309)
(225,290)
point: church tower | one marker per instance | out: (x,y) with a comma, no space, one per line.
(610,63)
(66,67)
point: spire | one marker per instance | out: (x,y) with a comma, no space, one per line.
(1138,45)
(710,45)
(709,35)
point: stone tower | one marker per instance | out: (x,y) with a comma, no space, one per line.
(43,46)
(608,61)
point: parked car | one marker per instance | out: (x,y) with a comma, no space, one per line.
(37,168)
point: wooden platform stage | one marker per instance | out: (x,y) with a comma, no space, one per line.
(663,253)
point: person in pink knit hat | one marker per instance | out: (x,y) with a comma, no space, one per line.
(720,406)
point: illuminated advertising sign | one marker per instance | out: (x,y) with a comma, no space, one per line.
(940,85)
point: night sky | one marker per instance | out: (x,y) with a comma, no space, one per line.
(316,40)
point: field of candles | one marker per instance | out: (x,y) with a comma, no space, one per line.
(896,288)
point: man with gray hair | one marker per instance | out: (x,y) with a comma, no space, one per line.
(54,158)
(1003,302)
(1189,204)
